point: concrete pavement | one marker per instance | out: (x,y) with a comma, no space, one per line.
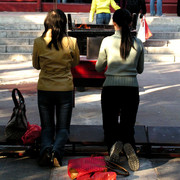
(159,93)
(160,106)
(27,168)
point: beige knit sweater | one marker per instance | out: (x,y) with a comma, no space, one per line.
(120,72)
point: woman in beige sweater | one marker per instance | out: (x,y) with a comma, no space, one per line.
(54,54)
(123,56)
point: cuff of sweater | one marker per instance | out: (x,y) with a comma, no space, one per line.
(91,17)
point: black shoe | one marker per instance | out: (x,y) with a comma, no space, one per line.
(116,149)
(55,160)
(45,158)
(133,160)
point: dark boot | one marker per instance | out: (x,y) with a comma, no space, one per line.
(45,158)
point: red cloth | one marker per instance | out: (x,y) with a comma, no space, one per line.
(86,69)
(32,133)
(82,166)
(99,176)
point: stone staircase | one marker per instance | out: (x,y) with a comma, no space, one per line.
(163,45)
(18,30)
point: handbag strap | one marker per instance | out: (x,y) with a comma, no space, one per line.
(116,168)
(21,99)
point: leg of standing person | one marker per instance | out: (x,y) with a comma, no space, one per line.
(64,104)
(63,1)
(152,8)
(107,18)
(46,111)
(159,7)
(134,20)
(99,18)
(110,113)
(178,8)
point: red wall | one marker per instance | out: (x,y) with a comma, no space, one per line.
(169,6)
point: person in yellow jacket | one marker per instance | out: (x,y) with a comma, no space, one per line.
(102,10)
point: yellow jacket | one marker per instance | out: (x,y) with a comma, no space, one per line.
(55,66)
(101,6)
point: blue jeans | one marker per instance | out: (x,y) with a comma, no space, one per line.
(159,7)
(103,18)
(55,135)
(63,1)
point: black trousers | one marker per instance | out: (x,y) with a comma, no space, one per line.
(123,101)
(134,20)
(178,8)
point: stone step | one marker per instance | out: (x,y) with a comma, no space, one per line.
(22,17)
(161,42)
(18,30)
(21,26)
(19,33)
(148,57)
(165,35)
(34,34)
(167,19)
(152,27)
(16,41)
(167,23)
(149,42)
(162,50)
(16,48)
(161,58)
(148,49)
(32,20)
(163,28)
(156,43)
(16,56)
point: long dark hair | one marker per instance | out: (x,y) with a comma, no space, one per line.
(55,20)
(123,19)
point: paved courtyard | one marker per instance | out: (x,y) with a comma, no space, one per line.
(159,106)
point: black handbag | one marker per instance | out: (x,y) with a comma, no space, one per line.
(17,125)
